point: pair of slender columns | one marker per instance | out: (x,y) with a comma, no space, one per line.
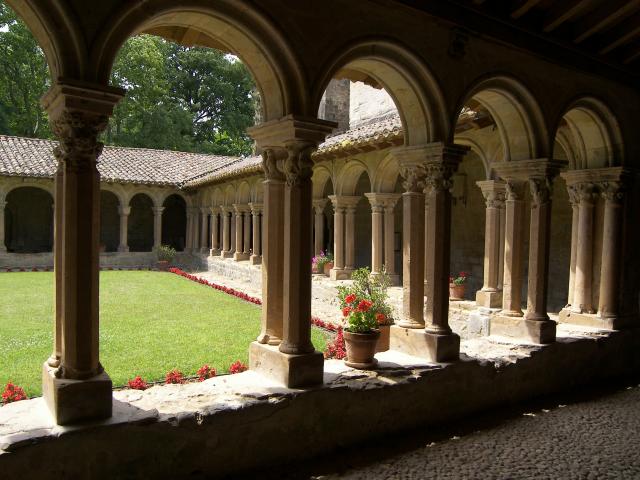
(382,230)
(490,295)
(214,228)
(226,213)
(204,222)
(3,204)
(256,250)
(344,257)
(193,239)
(242,231)
(319,205)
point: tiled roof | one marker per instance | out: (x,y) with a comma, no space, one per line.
(31,157)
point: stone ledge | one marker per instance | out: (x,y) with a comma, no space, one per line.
(239,422)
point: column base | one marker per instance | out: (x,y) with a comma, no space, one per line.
(239,256)
(255,259)
(73,401)
(479,320)
(204,250)
(292,371)
(489,299)
(214,252)
(226,254)
(122,249)
(431,346)
(533,331)
(595,321)
(340,273)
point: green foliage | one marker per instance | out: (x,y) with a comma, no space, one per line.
(166,253)
(372,288)
(321,260)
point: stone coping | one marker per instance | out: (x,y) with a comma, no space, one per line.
(244,421)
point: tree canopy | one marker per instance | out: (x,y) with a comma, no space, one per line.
(178,98)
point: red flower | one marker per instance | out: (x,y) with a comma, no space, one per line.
(380,317)
(205,372)
(13,393)
(173,377)
(237,367)
(138,384)
(364,305)
(350,298)
(346,311)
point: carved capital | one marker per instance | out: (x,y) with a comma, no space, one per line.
(77,132)
(514,191)
(540,189)
(438,176)
(413,176)
(584,192)
(613,191)
(298,166)
(494,199)
(272,163)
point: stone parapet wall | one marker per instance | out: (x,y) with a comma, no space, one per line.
(45,260)
(229,268)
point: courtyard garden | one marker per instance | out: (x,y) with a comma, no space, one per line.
(150,323)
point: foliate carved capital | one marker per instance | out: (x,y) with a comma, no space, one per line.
(77,133)
(298,166)
(514,191)
(438,177)
(613,191)
(583,192)
(540,189)
(413,176)
(494,199)
(271,160)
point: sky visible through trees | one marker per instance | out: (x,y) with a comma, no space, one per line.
(178,98)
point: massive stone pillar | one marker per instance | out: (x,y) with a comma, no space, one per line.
(124,213)
(389,240)
(240,211)
(157,226)
(3,204)
(256,255)
(377,232)
(288,144)
(215,233)
(76,388)
(536,326)
(204,222)
(319,205)
(490,296)
(226,232)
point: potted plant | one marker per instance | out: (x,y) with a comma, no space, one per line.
(322,263)
(165,254)
(361,332)
(457,285)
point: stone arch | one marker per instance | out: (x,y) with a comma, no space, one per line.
(590,135)
(174,221)
(321,175)
(386,175)
(155,196)
(257,190)
(229,195)
(28,219)
(231,27)
(140,225)
(518,117)
(217,196)
(117,191)
(405,76)
(478,150)
(109,220)
(164,195)
(244,193)
(349,175)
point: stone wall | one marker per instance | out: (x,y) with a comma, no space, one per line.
(368,104)
(334,105)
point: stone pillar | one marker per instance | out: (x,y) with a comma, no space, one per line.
(157,226)
(389,230)
(426,246)
(343,236)
(241,212)
(582,294)
(256,256)
(536,326)
(288,144)
(187,241)
(490,296)
(247,232)
(204,222)
(610,267)
(215,233)
(3,204)
(78,389)
(318,207)
(575,218)
(377,235)
(124,213)
(338,238)
(503,223)
(58,203)
(226,232)
(350,237)
(195,227)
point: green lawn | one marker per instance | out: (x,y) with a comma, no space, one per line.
(150,322)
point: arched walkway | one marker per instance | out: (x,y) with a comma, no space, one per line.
(29,220)
(140,226)
(174,222)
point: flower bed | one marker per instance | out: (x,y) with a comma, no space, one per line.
(221,288)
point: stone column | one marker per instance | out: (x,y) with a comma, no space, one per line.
(256,256)
(338,238)
(3,204)
(582,293)
(78,389)
(318,207)
(343,238)
(215,233)
(575,219)
(389,230)
(350,237)
(377,234)
(187,241)
(124,213)
(288,144)
(226,232)
(493,192)
(204,221)
(240,211)
(247,232)
(610,269)
(195,226)
(426,246)
(513,249)
(157,226)
(58,203)
(503,223)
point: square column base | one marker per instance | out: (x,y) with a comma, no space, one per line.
(489,299)
(479,320)
(255,259)
(431,346)
(340,273)
(226,254)
(593,320)
(292,371)
(534,331)
(73,401)
(238,256)
(214,252)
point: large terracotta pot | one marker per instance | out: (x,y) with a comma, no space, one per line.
(456,292)
(163,265)
(361,348)
(327,268)
(383,341)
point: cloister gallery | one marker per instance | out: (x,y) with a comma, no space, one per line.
(419,139)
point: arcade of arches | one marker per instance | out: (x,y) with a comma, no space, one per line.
(379,150)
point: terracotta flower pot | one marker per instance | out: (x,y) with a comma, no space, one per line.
(315,269)
(456,292)
(383,341)
(163,265)
(361,348)
(327,267)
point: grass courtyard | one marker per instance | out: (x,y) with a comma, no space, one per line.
(150,323)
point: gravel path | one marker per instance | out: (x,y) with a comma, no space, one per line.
(597,437)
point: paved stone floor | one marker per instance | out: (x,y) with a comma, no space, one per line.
(587,435)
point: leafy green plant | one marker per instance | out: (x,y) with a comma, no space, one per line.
(372,288)
(460,279)
(320,260)
(166,253)
(359,315)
